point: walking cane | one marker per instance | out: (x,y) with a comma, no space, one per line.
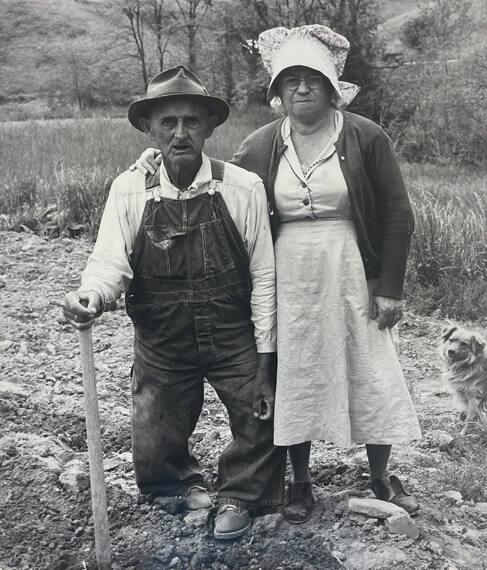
(95,454)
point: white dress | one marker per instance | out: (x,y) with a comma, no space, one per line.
(339,378)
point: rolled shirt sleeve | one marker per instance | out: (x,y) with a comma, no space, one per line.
(260,248)
(108,270)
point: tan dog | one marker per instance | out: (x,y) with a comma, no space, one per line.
(466,372)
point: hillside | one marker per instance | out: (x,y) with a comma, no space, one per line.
(42,40)
(36,36)
(48,47)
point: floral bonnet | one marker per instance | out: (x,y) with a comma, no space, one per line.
(314,46)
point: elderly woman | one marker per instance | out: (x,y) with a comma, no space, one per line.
(343,223)
(343,228)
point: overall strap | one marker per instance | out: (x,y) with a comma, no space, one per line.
(217,169)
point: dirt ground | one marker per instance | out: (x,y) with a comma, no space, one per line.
(45,508)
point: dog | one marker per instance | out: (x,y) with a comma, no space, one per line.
(466,372)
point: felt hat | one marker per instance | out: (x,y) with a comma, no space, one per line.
(314,46)
(176,82)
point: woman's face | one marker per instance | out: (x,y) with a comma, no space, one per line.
(305,93)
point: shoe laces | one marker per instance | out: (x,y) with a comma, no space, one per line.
(195,488)
(228,507)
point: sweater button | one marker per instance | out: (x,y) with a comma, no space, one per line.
(304,185)
(306,201)
(342,157)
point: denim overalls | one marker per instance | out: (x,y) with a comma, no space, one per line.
(189,301)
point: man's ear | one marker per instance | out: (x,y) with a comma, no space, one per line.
(145,124)
(212,123)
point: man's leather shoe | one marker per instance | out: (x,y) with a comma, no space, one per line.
(195,498)
(391,490)
(231,521)
(299,505)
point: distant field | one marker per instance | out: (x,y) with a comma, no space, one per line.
(56,175)
(70,163)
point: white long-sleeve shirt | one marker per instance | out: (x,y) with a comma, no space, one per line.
(108,271)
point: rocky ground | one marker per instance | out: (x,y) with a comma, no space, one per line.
(45,509)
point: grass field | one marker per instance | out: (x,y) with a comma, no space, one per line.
(56,175)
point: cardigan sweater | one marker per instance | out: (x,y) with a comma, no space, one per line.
(379,202)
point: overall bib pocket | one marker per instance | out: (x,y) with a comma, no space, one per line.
(217,258)
(164,254)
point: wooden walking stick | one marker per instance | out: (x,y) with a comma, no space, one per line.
(95,454)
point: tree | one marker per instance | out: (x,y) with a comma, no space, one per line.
(192,12)
(142,31)
(356,19)
(436,102)
(163,30)
(133,12)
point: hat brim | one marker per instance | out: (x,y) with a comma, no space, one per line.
(141,108)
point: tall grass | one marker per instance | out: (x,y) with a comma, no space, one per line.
(448,262)
(56,175)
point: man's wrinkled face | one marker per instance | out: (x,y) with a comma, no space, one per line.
(180,127)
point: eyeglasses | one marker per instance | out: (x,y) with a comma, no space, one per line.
(292,82)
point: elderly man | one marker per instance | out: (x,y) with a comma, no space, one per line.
(192,248)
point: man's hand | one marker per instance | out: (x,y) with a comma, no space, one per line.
(265,386)
(386,311)
(148,161)
(81,307)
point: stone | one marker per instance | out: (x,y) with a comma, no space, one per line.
(6,386)
(2,283)
(267,523)
(176,563)
(166,553)
(203,556)
(338,554)
(74,476)
(232,558)
(111,463)
(365,556)
(438,438)
(482,507)
(402,523)
(455,496)
(435,547)
(340,509)
(197,518)
(359,518)
(374,508)
(369,524)
(5,345)
(445,441)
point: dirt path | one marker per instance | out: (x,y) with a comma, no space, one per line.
(44,496)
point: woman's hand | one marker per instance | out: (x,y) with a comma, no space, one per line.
(386,311)
(148,161)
